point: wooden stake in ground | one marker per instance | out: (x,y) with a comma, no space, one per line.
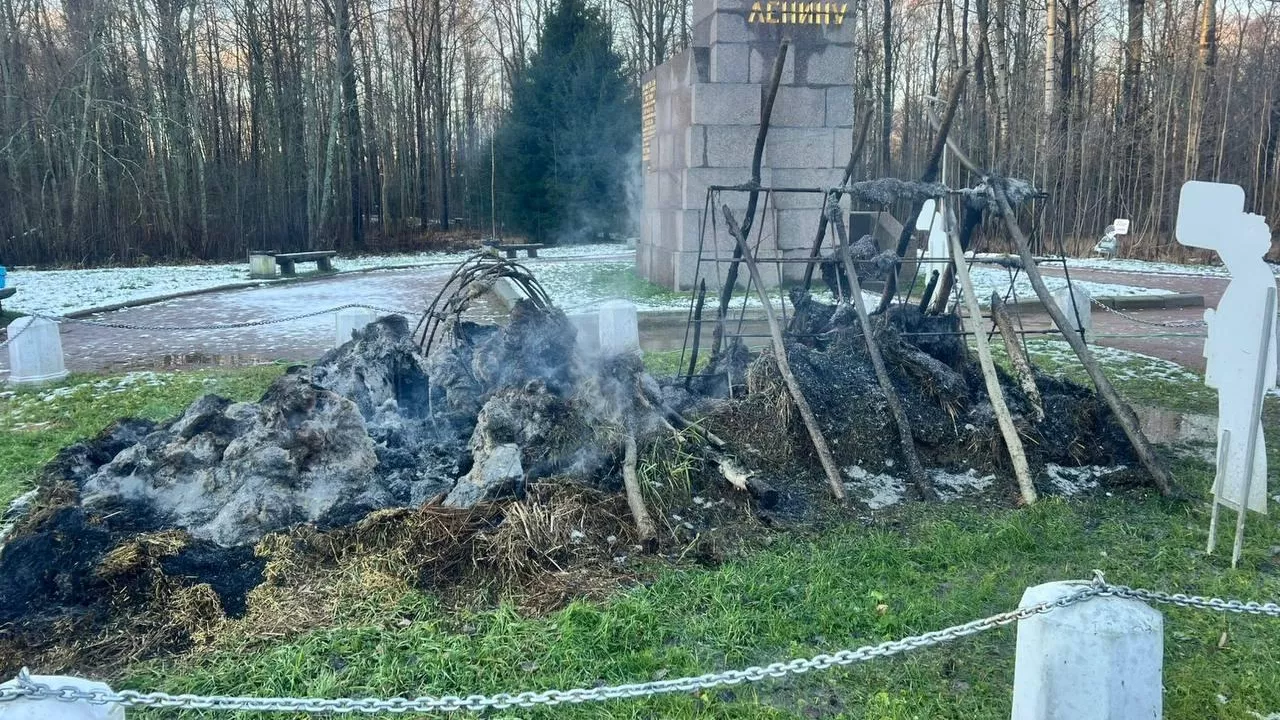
(1124,414)
(1017,358)
(905,439)
(784,366)
(1012,441)
(645,528)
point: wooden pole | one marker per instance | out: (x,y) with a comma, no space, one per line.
(1124,414)
(1012,441)
(1017,358)
(834,478)
(906,440)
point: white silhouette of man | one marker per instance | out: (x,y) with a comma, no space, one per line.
(1211,216)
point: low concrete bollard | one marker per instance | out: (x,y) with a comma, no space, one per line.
(347,321)
(1076,301)
(35,351)
(262,266)
(588,326)
(619,328)
(1100,659)
(58,709)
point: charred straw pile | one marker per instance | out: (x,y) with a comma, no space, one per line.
(466,458)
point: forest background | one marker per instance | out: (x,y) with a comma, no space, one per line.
(138,130)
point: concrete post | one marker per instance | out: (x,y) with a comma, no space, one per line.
(1100,659)
(588,326)
(58,709)
(348,321)
(35,352)
(1075,300)
(619,328)
(262,267)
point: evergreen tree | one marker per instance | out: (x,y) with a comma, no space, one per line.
(568,149)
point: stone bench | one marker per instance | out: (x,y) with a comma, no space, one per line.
(263,263)
(512,251)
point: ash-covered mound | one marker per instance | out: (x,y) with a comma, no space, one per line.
(940,386)
(371,425)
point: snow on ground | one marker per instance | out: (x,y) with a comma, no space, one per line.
(1147,267)
(1121,364)
(1075,480)
(57,292)
(987,280)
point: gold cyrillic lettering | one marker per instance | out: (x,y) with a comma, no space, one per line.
(755,15)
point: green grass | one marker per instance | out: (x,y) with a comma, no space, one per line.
(37,422)
(918,568)
(938,566)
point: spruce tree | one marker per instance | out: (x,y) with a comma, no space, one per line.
(569,147)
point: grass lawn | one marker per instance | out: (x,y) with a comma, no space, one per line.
(916,568)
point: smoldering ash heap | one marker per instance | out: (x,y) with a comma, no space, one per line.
(487,415)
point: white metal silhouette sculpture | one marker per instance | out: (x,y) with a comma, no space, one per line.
(1240,350)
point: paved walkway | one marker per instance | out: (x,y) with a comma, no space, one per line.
(1181,344)
(89,347)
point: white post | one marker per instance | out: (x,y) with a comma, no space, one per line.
(1075,301)
(348,321)
(1099,659)
(59,709)
(588,326)
(35,351)
(619,328)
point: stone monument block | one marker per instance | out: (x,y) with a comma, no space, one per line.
(799,107)
(701,113)
(793,147)
(763,56)
(731,63)
(726,104)
(729,27)
(839,106)
(731,146)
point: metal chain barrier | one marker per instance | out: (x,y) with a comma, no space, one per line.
(27,688)
(1152,323)
(222,326)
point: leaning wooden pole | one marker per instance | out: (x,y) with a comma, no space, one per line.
(753,197)
(933,167)
(1124,414)
(855,154)
(906,439)
(834,478)
(1012,441)
(645,529)
(1017,356)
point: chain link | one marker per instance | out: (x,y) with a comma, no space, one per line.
(27,688)
(222,326)
(1152,323)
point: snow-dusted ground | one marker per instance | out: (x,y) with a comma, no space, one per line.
(571,285)
(1143,267)
(988,279)
(57,292)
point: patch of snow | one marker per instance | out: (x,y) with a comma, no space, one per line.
(1074,480)
(878,491)
(1147,267)
(987,280)
(58,292)
(953,486)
